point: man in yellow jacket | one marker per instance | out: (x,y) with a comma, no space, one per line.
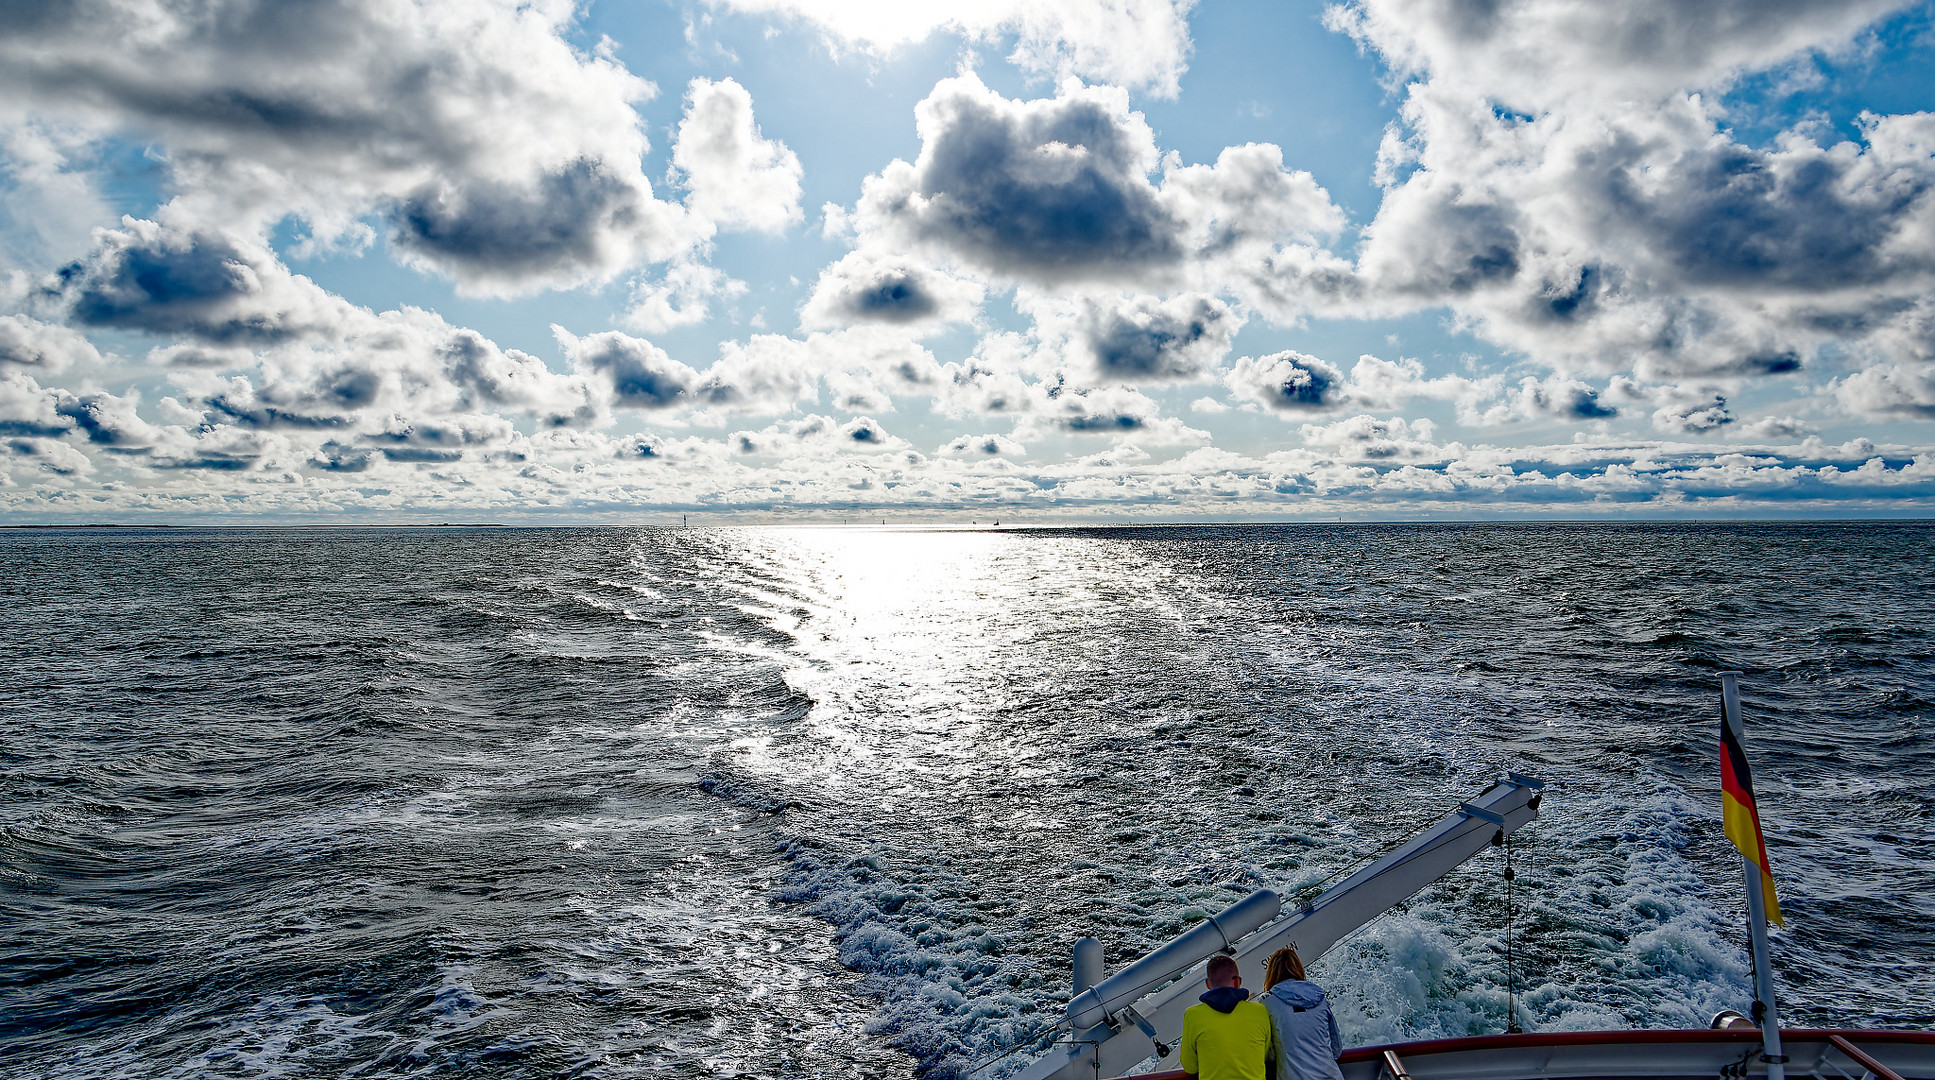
(1228,1036)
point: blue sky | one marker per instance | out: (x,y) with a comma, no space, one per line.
(801,259)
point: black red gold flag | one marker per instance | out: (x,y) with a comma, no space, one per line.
(1741,816)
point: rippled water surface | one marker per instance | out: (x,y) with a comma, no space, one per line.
(741,802)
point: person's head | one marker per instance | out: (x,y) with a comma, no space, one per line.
(1284,964)
(1222,972)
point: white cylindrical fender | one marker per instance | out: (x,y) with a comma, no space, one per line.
(1090,967)
(1217,933)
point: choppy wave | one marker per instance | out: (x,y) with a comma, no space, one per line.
(835,802)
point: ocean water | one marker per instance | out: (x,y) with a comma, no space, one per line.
(834,802)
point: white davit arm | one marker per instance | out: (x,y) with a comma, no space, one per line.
(1117,1028)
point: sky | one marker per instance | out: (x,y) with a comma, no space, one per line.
(1022,260)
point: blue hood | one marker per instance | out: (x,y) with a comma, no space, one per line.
(1224,998)
(1298,994)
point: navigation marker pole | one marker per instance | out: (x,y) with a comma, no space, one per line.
(1742,823)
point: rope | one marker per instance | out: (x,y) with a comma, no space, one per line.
(1019,1044)
(1414,826)
(1511,984)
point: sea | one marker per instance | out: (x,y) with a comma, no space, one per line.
(834,802)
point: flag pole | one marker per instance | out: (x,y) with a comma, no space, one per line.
(1764,1015)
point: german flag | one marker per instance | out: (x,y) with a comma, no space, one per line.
(1741,817)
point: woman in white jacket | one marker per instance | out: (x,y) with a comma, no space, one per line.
(1306,1032)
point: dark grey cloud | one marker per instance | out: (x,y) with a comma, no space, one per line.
(1565,399)
(892,297)
(640,373)
(874,287)
(107,421)
(1567,181)
(1146,339)
(502,154)
(864,430)
(1056,189)
(1530,54)
(1289,381)
(331,399)
(902,298)
(203,285)
(570,223)
(1737,217)
(334,456)
(1696,417)
(1441,241)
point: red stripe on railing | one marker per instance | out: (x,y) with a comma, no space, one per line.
(1642,1038)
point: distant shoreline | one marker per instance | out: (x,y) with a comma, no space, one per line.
(327,525)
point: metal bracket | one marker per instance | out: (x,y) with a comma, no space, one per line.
(1471,811)
(1133,1017)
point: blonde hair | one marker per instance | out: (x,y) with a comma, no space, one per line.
(1284,964)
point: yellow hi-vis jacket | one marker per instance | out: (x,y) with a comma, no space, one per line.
(1227,1046)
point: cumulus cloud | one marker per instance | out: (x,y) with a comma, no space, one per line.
(1773,428)
(1693,417)
(873,287)
(1564,178)
(640,374)
(682,297)
(1291,381)
(27,409)
(994,445)
(496,151)
(815,436)
(1532,54)
(214,287)
(1135,43)
(581,222)
(735,177)
(1288,381)
(29,343)
(1145,338)
(1553,398)
(1890,390)
(1370,438)
(1118,411)
(1058,190)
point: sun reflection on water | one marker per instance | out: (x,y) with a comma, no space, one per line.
(908,641)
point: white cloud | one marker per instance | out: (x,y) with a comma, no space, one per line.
(1773,428)
(995,445)
(1536,54)
(735,177)
(1136,43)
(30,343)
(1369,438)
(681,297)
